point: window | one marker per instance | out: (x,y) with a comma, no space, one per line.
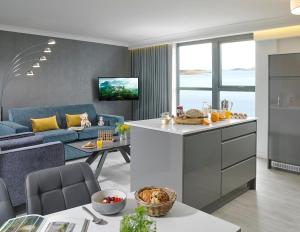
(213,70)
(238,63)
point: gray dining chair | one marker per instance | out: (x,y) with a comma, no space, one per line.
(6,209)
(56,189)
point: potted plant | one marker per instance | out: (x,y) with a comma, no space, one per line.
(137,222)
(122,130)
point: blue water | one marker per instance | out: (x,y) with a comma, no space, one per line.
(243,102)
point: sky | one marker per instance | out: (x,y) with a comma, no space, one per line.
(233,55)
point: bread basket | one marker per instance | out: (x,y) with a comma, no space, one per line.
(157,210)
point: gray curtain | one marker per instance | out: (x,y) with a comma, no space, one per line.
(150,65)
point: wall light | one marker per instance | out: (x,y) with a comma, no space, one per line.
(47,50)
(295,7)
(36,65)
(30,73)
(51,42)
(43,58)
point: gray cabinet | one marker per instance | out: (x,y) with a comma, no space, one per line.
(237,175)
(202,168)
(238,149)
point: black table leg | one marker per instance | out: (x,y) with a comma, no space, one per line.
(92,158)
(100,164)
(124,154)
(126,149)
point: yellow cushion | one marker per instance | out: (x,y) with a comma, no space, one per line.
(44,124)
(73,120)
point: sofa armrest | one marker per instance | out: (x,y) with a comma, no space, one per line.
(8,127)
(16,136)
(111,120)
(21,142)
(16,164)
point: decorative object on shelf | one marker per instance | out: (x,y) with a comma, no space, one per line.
(165,118)
(137,222)
(85,120)
(295,7)
(101,122)
(25,63)
(122,130)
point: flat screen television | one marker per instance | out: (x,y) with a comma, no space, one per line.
(117,89)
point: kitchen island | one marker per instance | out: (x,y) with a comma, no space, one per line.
(206,165)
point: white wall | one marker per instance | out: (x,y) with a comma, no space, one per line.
(263,49)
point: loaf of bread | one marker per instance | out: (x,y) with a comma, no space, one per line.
(154,196)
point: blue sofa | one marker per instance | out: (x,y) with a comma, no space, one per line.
(19,122)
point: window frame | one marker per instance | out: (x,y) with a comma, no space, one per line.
(217,86)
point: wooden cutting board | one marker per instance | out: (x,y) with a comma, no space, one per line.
(189,121)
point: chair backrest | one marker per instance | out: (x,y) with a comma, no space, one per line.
(6,209)
(55,189)
(23,115)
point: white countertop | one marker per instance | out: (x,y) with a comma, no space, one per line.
(155,124)
(180,218)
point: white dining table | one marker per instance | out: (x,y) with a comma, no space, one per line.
(181,218)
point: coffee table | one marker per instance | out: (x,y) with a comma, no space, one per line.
(120,145)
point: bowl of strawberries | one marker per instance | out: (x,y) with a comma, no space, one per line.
(108,202)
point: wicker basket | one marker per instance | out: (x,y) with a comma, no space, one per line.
(157,210)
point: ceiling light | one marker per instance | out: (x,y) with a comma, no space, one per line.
(36,65)
(43,58)
(51,42)
(295,7)
(30,73)
(47,50)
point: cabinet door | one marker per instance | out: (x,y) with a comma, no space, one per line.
(202,168)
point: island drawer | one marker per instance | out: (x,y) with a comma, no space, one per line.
(238,149)
(238,130)
(237,175)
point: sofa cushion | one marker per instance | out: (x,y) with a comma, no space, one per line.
(22,116)
(62,135)
(92,132)
(78,109)
(44,124)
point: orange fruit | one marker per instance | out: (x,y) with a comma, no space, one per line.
(206,121)
(214,116)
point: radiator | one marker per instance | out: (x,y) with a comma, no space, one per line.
(288,167)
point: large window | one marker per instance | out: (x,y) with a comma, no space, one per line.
(213,70)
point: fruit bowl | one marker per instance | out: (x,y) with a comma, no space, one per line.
(108,202)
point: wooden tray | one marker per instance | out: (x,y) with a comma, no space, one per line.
(189,121)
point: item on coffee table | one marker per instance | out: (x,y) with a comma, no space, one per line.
(89,145)
(157,201)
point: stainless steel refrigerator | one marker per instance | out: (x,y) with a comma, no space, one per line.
(284,111)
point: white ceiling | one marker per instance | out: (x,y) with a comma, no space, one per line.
(138,22)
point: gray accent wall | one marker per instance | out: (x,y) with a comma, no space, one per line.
(68,77)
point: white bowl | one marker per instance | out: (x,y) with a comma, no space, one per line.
(111,208)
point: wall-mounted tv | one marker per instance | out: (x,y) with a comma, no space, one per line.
(116,88)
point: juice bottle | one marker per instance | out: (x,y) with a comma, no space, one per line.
(99,143)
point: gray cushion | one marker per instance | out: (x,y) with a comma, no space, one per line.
(55,189)
(6,210)
(92,132)
(62,135)
(20,142)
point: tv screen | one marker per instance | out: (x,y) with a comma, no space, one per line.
(115,88)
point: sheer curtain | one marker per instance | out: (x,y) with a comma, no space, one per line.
(150,65)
